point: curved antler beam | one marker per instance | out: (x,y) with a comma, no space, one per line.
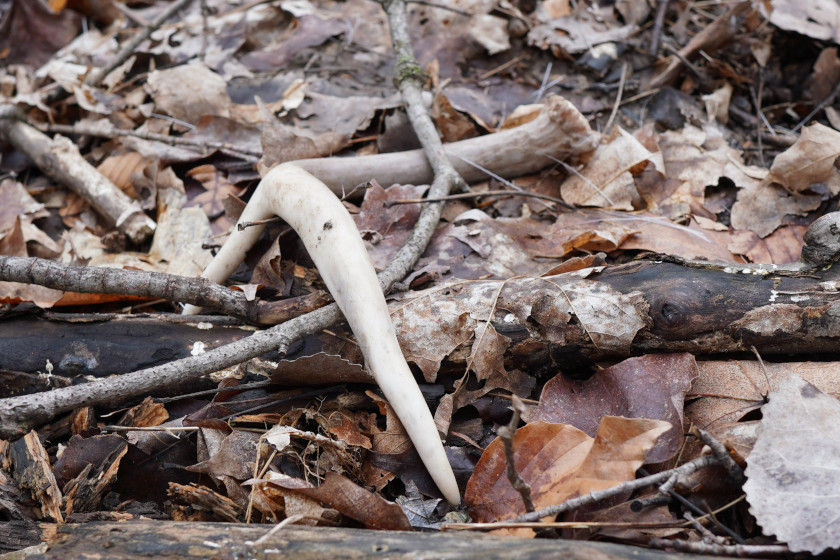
(336,247)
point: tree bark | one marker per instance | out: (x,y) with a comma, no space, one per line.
(683,307)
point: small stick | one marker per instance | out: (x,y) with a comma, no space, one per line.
(104,129)
(59,158)
(736,473)
(819,107)
(656,33)
(506,433)
(625,68)
(624,487)
(98,74)
(141,283)
(494,193)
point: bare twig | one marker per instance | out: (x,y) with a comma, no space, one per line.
(98,74)
(623,488)
(668,489)
(409,80)
(506,433)
(819,107)
(494,193)
(709,39)
(735,472)
(197,291)
(60,159)
(18,415)
(493,525)
(656,32)
(625,69)
(104,129)
(440,7)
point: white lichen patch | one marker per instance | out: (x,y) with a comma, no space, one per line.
(197,348)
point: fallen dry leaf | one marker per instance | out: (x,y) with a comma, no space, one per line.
(341,493)
(793,473)
(559,462)
(726,391)
(385,229)
(813,18)
(783,246)
(611,319)
(607,179)
(207,94)
(651,386)
(810,160)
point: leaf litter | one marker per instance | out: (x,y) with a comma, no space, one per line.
(693,184)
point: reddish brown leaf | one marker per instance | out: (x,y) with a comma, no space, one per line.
(651,386)
(341,493)
(30,33)
(385,229)
(559,462)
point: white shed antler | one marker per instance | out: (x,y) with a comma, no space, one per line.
(336,247)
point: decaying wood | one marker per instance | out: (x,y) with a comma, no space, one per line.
(18,534)
(105,345)
(684,308)
(679,307)
(33,473)
(643,306)
(559,131)
(147,539)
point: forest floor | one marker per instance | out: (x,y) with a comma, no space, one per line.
(622,291)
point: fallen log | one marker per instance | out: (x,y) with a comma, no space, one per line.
(147,539)
(565,321)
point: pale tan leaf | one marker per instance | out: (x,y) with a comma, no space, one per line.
(607,179)
(611,318)
(793,475)
(206,93)
(810,160)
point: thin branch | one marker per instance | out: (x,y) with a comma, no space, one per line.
(656,33)
(506,433)
(196,291)
(59,158)
(98,74)
(409,80)
(819,107)
(494,193)
(104,129)
(623,488)
(625,69)
(19,415)
(736,473)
